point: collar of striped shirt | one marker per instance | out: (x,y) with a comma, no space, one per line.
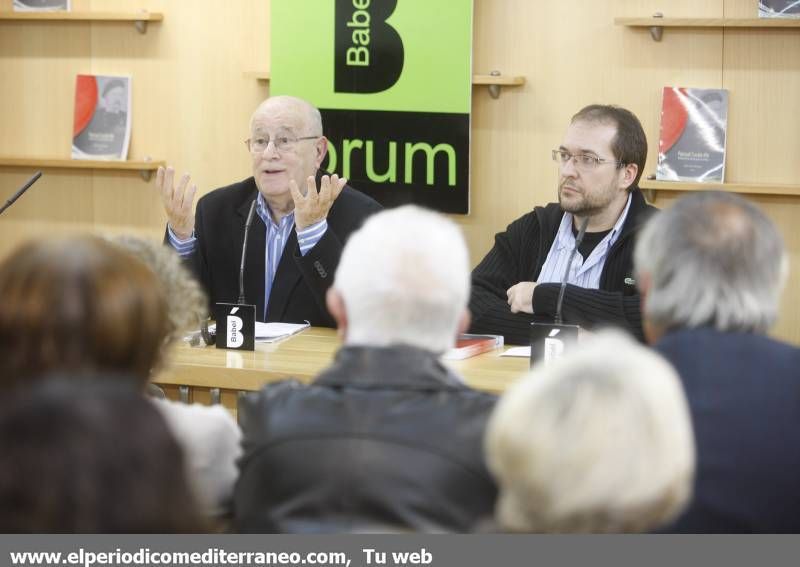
(585,273)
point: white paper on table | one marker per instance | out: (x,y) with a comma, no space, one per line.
(520,351)
(271,332)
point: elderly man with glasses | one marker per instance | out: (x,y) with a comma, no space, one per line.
(304,219)
(600,162)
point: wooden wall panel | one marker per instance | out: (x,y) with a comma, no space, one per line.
(571,54)
(192,102)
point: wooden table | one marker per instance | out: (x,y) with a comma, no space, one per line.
(213,374)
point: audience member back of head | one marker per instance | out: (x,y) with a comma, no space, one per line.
(387,438)
(599,441)
(83,304)
(711,270)
(76,304)
(90,457)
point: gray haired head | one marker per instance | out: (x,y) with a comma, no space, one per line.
(712,260)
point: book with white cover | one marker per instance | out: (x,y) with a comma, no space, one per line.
(102,120)
(779,9)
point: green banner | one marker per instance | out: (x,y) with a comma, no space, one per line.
(393,80)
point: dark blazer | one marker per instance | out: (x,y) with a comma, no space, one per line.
(386,439)
(298,291)
(744,397)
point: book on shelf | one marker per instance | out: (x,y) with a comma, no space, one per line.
(468,345)
(102,121)
(691,146)
(42,5)
(779,9)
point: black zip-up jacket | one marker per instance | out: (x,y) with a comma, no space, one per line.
(519,254)
(385,439)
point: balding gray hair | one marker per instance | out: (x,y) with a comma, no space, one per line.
(311,114)
(404,278)
(712,259)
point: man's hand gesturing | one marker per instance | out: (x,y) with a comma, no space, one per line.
(313,206)
(177,201)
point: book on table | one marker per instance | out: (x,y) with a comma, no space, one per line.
(691,146)
(468,345)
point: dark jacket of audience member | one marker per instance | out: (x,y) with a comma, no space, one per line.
(711,269)
(744,397)
(90,458)
(384,439)
(387,438)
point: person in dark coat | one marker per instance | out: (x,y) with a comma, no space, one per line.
(711,270)
(300,223)
(387,438)
(600,160)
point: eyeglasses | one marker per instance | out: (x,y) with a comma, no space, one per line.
(281,143)
(583,162)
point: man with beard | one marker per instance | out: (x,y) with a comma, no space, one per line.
(600,162)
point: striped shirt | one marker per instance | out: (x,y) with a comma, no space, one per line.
(583,272)
(277,236)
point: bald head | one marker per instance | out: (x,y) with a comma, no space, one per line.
(275,165)
(290,105)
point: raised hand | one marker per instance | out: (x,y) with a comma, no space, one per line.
(313,206)
(177,201)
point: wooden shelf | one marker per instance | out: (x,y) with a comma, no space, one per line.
(501,80)
(145,168)
(657,25)
(493,81)
(258,75)
(140,19)
(743,188)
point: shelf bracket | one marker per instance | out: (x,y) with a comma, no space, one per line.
(649,194)
(141,25)
(146,174)
(216,397)
(494,90)
(185,394)
(657,32)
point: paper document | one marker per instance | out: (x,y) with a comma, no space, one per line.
(521,351)
(271,332)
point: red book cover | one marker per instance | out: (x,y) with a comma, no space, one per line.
(468,346)
(692,142)
(102,121)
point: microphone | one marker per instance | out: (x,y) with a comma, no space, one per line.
(550,340)
(236,322)
(21,190)
(578,240)
(244,250)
